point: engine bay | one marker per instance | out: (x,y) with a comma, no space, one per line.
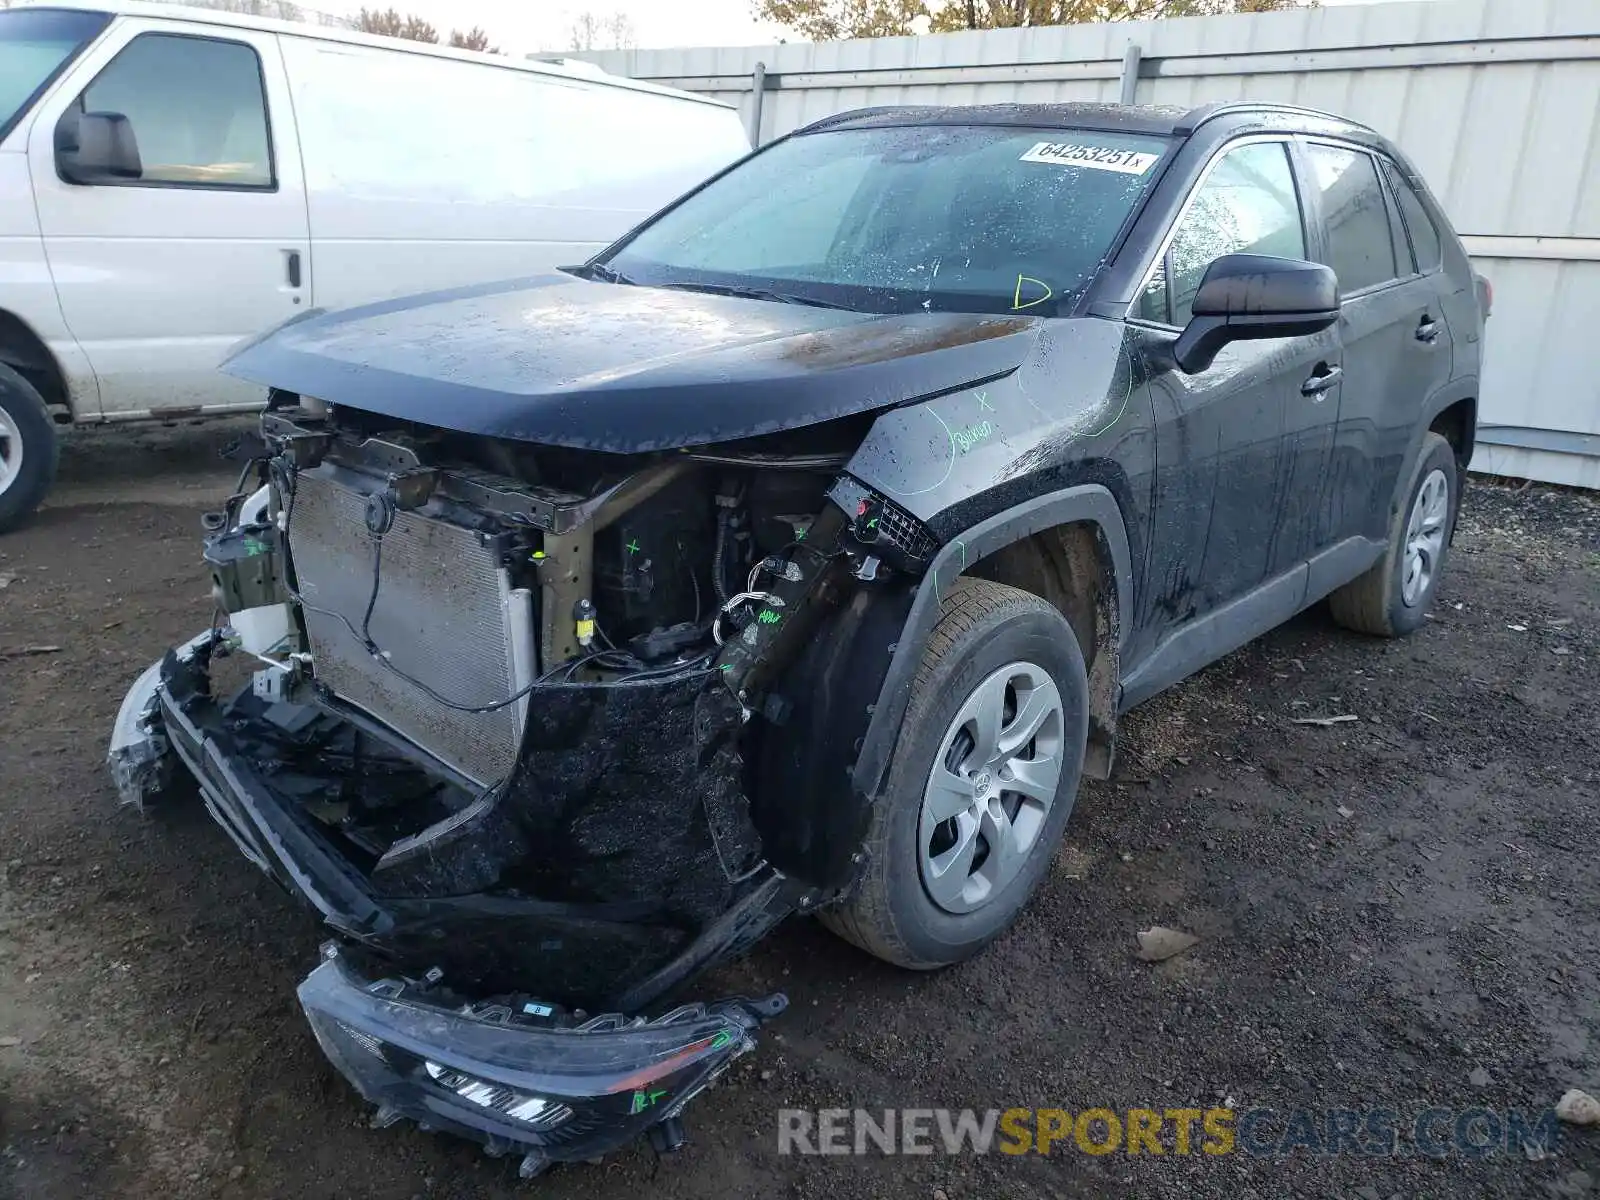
(567,677)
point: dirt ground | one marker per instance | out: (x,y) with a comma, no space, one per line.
(1401,911)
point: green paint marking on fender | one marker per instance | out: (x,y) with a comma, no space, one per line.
(973,436)
(768,617)
(633,546)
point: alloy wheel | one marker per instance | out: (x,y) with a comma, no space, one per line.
(1424,538)
(991,787)
(10,452)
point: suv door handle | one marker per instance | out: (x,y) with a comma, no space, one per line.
(292,267)
(1323,378)
(1427,330)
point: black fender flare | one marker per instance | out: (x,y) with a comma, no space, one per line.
(1090,502)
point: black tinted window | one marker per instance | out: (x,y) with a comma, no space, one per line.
(1360,248)
(1424,235)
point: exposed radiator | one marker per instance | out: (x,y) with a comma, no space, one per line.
(441,615)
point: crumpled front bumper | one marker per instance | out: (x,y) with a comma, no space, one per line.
(517,1076)
(159,729)
(504,1075)
(140,758)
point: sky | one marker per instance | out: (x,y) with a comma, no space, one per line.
(523,26)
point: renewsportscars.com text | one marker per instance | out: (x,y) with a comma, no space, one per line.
(1263,1132)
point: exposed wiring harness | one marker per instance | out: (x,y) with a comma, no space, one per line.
(734,602)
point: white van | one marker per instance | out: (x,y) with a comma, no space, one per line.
(175,179)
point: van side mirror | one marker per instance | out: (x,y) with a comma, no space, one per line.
(96,147)
(1254,296)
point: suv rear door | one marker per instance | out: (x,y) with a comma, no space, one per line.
(1396,344)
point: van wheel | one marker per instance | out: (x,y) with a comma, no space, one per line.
(1393,598)
(29,451)
(981,783)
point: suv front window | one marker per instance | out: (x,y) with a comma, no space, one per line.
(35,45)
(1247,205)
(970,218)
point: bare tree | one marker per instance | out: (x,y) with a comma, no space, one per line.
(619,26)
(828,20)
(473,39)
(594,32)
(282,10)
(390,23)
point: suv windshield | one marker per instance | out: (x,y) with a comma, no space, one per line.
(35,44)
(947,218)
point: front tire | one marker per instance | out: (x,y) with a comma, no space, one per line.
(29,451)
(981,784)
(1392,599)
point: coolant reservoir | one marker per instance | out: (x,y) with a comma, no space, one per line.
(262,631)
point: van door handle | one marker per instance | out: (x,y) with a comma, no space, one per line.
(292,262)
(1323,378)
(1427,330)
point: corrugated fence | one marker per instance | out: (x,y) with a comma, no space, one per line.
(1497,101)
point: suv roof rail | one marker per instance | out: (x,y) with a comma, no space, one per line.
(1197,117)
(850,114)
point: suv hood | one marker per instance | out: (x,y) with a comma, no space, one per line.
(569,362)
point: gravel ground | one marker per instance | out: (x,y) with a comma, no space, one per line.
(1400,911)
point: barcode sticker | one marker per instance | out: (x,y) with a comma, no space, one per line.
(1098,158)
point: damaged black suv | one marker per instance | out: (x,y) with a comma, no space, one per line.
(798,553)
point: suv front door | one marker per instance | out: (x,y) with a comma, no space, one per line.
(1223,475)
(1396,344)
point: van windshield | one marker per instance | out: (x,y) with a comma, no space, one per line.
(35,45)
(969,218)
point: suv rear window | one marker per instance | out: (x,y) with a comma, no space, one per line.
(1424,234)
(1356,216)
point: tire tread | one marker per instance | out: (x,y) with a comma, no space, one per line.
(863,918)
(1366,603)
(27,407)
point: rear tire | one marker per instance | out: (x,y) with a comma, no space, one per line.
(936,891)
(1392,599)
(29,451)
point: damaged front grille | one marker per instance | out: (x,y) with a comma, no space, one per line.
(440,617)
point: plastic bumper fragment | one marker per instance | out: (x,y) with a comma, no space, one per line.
(140,757)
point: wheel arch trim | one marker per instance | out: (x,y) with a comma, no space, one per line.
(22,348)
(1090,503)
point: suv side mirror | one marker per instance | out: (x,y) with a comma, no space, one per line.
(1253,296)
(96,147)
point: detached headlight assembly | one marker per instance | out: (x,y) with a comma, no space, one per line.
(550,1091)
(536,1112)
